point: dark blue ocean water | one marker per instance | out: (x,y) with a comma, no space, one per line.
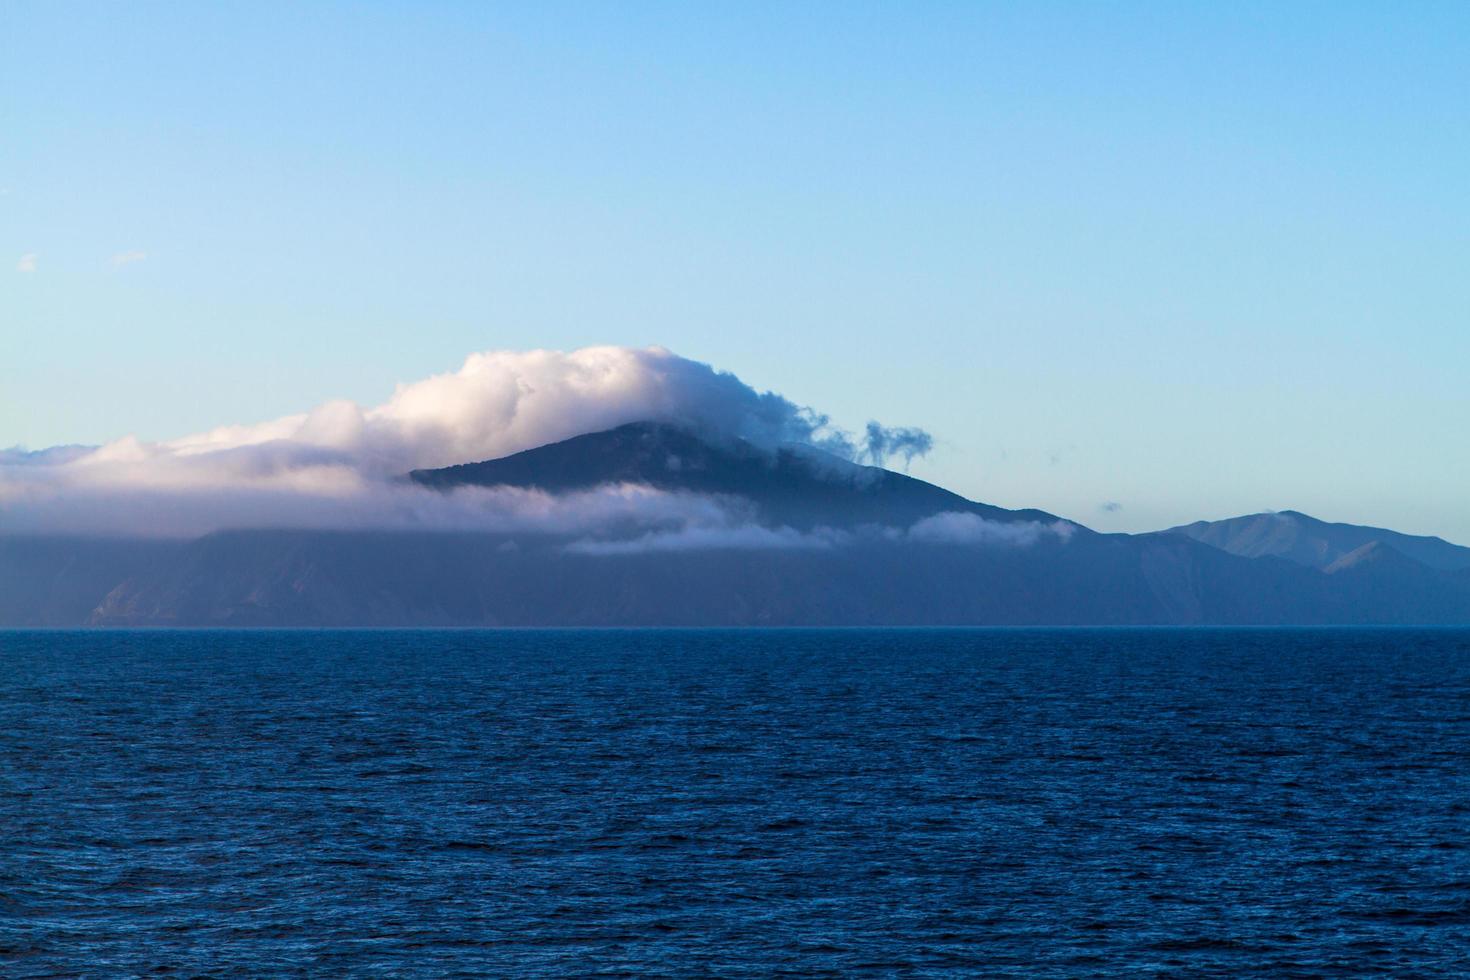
(999,803)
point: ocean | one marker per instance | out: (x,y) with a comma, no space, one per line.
(998,803)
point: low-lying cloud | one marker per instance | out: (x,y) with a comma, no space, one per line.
(352,505)
(339,464)
(739,537)
(949,528)
(959,527)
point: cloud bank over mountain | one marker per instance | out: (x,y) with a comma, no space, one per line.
(337,465)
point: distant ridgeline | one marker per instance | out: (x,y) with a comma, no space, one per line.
(790,536)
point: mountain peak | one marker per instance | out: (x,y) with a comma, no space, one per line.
(795,485)
(1319,544)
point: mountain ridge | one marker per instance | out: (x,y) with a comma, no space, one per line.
(975,564)
(1318,544)
(800,487)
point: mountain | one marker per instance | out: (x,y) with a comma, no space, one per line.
(824,542)
(1318,544)
(62,580)
(325,578)
(798,487)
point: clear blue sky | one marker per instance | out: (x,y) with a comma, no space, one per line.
(1192,259)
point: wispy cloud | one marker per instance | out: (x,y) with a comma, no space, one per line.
(1110,507)
(126,258)
(27,263)
(743,537)
(957,527)
(730,532)
(881,441)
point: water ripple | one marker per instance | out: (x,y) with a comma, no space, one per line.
(1043,803)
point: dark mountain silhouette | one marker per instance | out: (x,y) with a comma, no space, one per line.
(320,578)
(798,487)
(876,574)
(1318,544)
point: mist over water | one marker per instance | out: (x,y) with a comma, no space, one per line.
(1032,803)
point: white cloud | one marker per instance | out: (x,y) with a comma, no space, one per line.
(27,263)
(294,470)
(126,258)
(497,403)
(958,527)
(731,531)
(738,537)
(342,500)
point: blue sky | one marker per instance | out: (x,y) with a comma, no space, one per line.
(1193,260)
